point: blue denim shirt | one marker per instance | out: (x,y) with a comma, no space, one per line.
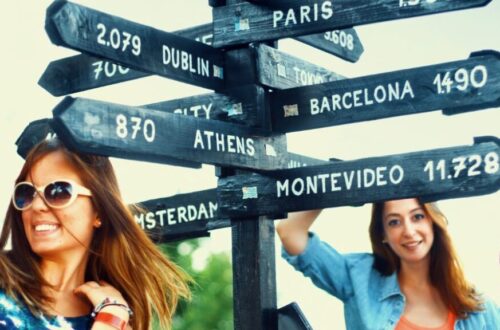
(371,301)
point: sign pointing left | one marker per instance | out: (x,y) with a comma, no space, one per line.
(134,45)
(150,135)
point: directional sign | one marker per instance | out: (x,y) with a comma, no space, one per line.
(134,45)
(35,132)
(245,22)
(237,105)
(459,86)
(297,160)
(193,214)
(83,72)
(342,43)
(433,174)
(149,135)
(279,70)
(181,216)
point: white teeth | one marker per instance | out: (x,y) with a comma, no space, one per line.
(45,227)
(412,244)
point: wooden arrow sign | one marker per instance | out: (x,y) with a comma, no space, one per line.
(181,216)
(83,72)
(342,43)
(243,23)
(35,132)
(134,45)
(192,214)
(456,87)
(150,135)
(433,174)
(280,70)
(238,105)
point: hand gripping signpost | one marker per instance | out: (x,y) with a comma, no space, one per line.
(241,126)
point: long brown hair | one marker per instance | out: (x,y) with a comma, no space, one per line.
(120,252)
(446,273)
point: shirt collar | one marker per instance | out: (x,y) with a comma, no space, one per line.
(389,286)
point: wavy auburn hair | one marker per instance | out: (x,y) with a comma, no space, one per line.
(446,273)
(120,252)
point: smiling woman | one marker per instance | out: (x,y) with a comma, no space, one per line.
(413,279)
(75,249)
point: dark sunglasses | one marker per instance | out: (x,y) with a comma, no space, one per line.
(58,194)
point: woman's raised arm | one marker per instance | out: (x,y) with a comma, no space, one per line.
(293,231)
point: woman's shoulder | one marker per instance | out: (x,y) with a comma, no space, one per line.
(491,311)
(15,315)
(12,313)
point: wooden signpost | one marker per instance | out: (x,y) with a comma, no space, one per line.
(433,174)
(245,22)
(135,45)
(150,135)
(83,72)
(279,70)
(342,43)
(261,93)
(466,85)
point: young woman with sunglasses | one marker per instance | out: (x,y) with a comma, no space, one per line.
(412,281)
(78,259)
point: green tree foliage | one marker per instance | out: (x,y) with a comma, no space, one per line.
(211,307)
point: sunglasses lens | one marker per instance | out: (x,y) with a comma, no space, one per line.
(23,195)
(58,193)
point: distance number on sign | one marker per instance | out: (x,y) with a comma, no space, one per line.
(118,40)
(135,124)
(469,165)
(341,38)
(109,69)
(462,78)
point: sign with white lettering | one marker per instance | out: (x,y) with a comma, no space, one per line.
(243,23)
(134,45)
(239,105)
(466,85)
(181,216)
(192,214)
(83,72)
(280,70)
(433,174)
(150,135)
(342,43)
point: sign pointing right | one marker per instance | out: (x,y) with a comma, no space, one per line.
(456,87)
(244,22)
(431,174)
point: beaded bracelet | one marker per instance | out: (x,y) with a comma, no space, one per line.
(111,320)
(110,302)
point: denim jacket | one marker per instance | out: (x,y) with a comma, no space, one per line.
(371,301)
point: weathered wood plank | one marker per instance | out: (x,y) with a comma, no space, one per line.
(134,45)
(150,135)
(432,175)
(244,23)
(280,70)
(457,87)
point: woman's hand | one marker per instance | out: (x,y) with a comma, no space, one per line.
(96,292)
